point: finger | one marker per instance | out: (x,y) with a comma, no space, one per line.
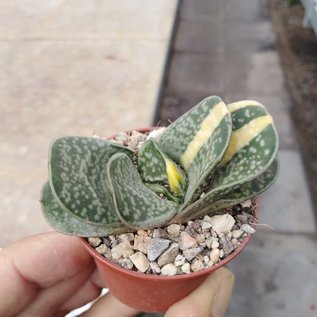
(85,294)
(49,300)
(34,263)
(210,299)
(109,306)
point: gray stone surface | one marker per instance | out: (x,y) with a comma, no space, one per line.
(195,73)
(276,276)
(286,206)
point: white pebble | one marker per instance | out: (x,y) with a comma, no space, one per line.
(247,228)
(169,269)
(186,268)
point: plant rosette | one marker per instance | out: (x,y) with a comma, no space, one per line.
(198,170)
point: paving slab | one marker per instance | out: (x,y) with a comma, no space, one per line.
(287,206)
(191,37)
(76,86)
(195,73)
(276,276)
(202,10)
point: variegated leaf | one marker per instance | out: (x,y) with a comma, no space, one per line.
(253,145)
(155,167)
(136,205)
(198,140)
(212,203)
(68,223)
(77,176)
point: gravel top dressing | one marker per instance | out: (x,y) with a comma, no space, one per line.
(179,249)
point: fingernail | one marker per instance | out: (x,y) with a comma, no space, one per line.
(223,294)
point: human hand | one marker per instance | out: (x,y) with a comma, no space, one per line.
(51,274)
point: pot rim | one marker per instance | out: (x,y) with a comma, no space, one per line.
(185,276)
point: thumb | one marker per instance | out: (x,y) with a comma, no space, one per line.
(210,299)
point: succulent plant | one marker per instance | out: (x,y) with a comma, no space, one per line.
(212,157)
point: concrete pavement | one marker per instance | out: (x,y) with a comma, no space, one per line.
(71,69)
(228,48)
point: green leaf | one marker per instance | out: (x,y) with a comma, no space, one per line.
(252,148)
(155,167)
(198,140)
(136,205)
(212,203)
(78,177)
(68,223)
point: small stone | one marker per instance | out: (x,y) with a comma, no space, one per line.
(179,260)
(222,224)
(104,250)
(141,243)
(156,247)
(169,255)
(156,133)
(229,235)
(169,269)
(126,263)
(155,268)
(206,226)
(191,253)
(197,266)
(227,245)
(126,237)
(214,255)
(234,241)
(94,241)
(142,232)
(207,234)
(160,233)
(221,253)
(247,228)
(185,268)
(122,137)
(247,203)
(215,245)
(206,259)
(237,233)
(200,238)
(186,241)
(123,249)
(140,261)
(173,230)
(213,234)
(135,138)
(106,241)
(209,242)
(196,225)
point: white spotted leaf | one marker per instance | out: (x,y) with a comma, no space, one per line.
(136,205)
(198,140)
(67,223)
(155,167)
(78,177)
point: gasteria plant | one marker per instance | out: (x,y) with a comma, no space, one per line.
(212,157)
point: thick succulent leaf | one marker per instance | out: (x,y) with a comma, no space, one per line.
(252,148)
(155,167)
(210,204)
(198,140)
(78,177)
(161,189)
(136,205)
(67,223)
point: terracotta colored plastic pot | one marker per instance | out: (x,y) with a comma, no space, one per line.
(149,292)
(152,293)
